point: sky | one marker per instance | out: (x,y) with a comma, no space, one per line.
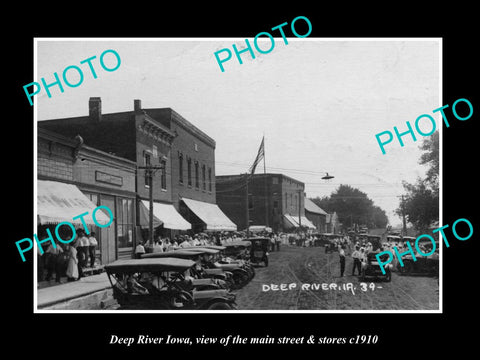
(318,102)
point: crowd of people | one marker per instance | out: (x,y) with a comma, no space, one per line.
(69,259)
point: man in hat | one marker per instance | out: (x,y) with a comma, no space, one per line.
(356,260)
(341,253)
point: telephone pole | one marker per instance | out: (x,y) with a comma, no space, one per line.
(247,210)
(149,171)
(404,230)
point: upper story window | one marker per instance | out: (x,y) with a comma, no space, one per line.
(197,176)
(163,174)
(189,171)
(204,178)
(210,179)
(180,168)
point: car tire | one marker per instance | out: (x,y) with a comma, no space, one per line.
(239,279)
(219,306)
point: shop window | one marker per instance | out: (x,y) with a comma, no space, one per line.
(125,222)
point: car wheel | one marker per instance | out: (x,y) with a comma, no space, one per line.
(219,306)
(239,279)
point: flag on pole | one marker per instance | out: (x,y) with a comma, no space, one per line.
(260,156)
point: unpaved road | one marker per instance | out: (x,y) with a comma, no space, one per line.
(294,267)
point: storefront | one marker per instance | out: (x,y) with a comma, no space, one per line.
(167,222)
(58,205)
(293,222)
(205,216)
(109,181)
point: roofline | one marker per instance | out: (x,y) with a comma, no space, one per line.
(187,125)
(261,174)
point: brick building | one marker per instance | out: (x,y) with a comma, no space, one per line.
(275,200)
(66,166)
(158,137)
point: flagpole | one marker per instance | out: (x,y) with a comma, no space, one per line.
(265,181)
(247,209)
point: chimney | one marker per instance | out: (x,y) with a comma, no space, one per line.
(137,106)
(95,109)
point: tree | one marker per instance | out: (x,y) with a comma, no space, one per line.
(431,158)
(353,207)
(421,201)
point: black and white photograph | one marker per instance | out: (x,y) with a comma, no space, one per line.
(260,185)
(228,181)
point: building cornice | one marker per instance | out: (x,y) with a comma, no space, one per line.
(153,129)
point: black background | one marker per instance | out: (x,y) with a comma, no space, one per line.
(62,335)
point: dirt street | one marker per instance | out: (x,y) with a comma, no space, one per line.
(300,278)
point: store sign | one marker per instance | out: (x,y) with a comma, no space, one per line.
(108,178)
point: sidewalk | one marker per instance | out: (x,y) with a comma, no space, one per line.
(61,294)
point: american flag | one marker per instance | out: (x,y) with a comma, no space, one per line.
(260,156)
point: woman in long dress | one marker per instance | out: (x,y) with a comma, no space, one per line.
(72,268)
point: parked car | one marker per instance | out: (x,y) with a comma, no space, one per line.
(371,268)
(203,278)
(161,284)
(428,265)
(242,271)
(231,254)
(259,250)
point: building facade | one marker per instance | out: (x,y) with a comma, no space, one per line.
(181,155)
(274,200)
(316,215)
(102,179)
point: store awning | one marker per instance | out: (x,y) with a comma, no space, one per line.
(211,215)
(165,214)
(294,221)
(58,202)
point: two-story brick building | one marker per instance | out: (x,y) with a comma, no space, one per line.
(275,200)
(160,138)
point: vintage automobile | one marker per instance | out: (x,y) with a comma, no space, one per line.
(213,259)
(375,240)
(161,284)
(231,253)
(330,243)
(239,249)
(204,279)
(428,265)
(259,250)
(371,268)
